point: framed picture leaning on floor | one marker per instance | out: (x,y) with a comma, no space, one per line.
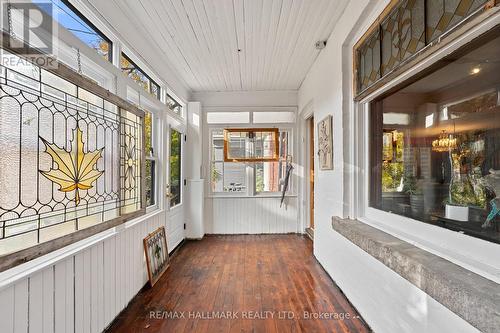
(157,260)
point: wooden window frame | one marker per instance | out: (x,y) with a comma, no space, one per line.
(275,157)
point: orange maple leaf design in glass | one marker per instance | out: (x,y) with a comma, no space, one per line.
(76,170)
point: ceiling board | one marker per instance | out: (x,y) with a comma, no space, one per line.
(200,39)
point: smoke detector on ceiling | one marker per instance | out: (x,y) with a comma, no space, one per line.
(320,44)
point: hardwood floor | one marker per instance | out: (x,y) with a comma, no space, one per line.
(248,283)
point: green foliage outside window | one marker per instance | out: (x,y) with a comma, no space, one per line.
(175,167)
(392,173)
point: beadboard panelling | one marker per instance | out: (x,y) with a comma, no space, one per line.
(86,291)
(226,45)
(250,215)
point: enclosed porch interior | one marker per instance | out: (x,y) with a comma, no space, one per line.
(250,166)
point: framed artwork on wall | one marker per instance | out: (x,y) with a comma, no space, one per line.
(325,143)
(157,260)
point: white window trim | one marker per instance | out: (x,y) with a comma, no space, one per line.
(292,183)
(472,253)
(156,149)
(211,129)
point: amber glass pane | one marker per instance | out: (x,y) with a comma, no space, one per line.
(444,14)
(369,61)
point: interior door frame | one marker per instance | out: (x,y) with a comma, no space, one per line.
(304,159)
(311,166)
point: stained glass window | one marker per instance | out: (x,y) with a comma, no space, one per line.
(402,33)
(70,159)
(407,28)
(444,14)
(369,60)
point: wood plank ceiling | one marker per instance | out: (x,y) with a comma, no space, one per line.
(227,45)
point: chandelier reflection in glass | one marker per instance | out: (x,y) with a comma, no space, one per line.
(444,143)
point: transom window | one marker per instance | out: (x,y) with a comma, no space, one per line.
(173,105)
(134,72)
(70,18)
(435,145)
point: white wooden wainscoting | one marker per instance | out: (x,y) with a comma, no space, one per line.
(250,215)
(85,291)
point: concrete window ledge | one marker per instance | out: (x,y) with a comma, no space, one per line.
(469,295)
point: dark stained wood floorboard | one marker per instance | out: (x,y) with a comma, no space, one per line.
(273,276)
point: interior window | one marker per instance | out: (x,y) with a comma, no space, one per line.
(251,145)
(270,176)
(435,147)
(224,176)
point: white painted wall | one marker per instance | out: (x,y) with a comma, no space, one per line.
(194,197)
(246,98)
(85,286)
(255,215)
(386,301)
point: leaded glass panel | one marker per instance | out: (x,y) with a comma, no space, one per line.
(407,28)
(444,14)
(369,61)
(69,159)
(402,33)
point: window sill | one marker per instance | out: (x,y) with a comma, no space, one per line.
(474,254)
(267,195)
(22,271)
(175,208)
(469,295)
(148,215)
